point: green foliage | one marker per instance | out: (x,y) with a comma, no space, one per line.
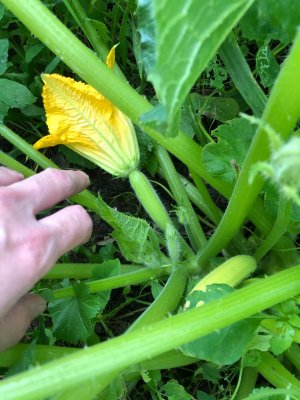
(217,108)
(168,29)
(224,346)
(72,317)
(3,55)
(136,239)
(174,391)
(224,159)
(13,95)
(271,19)
(267,66)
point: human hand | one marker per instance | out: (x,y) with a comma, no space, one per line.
(29,247)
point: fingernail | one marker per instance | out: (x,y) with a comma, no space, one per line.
(86,177)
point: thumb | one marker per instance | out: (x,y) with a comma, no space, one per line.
(15,322)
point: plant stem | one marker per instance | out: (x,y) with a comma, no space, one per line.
(272,370)
(82,270)
(165,303)
(213,212)
(282,112)
(241,75)
(131,278)
(279,228)
(293,354)
(78,13)
(249,376)
(192,225)
(152,204)
(11,163)
(150,341)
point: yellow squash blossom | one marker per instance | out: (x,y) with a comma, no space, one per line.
(81,118)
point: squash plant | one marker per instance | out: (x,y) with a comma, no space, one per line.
(210,309)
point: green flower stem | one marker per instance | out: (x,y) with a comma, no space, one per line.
(150,341)
(192,225)
(149,199)
(152,203)
(282,112)
(248,381)
(130,278)
(241,75)
(279,228)
(274,372)
(82,270)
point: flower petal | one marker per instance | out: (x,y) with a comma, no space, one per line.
(110,59)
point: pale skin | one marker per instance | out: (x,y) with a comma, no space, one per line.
(29,247)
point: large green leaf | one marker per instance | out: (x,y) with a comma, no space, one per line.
(224,346)
(271,19)
(178,40)
(14,94)
(72,317)
(225,158)
(136,239)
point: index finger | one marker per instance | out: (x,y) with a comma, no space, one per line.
(48,188)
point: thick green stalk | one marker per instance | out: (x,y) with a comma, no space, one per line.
(152,204)
(43,353)
(293,354)
(162,306)
(248,381)
(149,199)
(191,223)
(150,341)
(82,270)
(282,112)
(131,278)
(274,372)
(279,228)
(165,303)
(241,75)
